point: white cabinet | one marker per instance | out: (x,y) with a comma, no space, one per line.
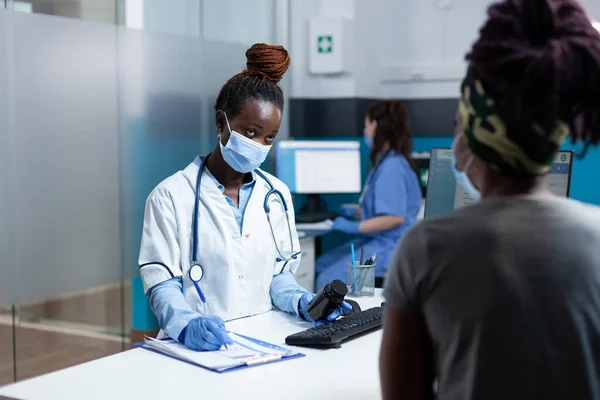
(305,275)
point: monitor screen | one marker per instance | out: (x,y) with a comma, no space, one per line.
(319,167)
(445,195)
(421,167)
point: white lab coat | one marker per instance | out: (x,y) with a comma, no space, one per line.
(238,268)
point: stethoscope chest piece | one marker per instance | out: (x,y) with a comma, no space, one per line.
(196,273)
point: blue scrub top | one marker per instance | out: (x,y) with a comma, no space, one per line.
(392,189)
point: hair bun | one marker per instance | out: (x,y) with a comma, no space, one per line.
(270,62)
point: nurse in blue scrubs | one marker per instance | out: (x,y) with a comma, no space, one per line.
(391,198)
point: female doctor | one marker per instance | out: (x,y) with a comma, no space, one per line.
(217,242)
(391,198)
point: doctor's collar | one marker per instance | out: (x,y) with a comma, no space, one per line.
(221,187)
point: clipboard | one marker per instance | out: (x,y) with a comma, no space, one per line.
(272,353)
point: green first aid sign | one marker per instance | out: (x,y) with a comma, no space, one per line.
(325,43)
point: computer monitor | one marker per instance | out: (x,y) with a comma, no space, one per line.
(421,167)
(445,195)
(319,167)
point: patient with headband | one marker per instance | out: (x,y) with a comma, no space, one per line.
(501,299)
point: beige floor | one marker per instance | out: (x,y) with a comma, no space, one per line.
(40,352)
(60,333)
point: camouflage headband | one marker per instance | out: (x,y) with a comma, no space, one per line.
(496,137)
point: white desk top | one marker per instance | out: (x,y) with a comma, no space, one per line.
(351,372)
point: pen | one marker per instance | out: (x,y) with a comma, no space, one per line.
(210,313)
(371,260)
(263,360)
(196,273)
(353,265)
(374,257)
(200,292)
(362,254)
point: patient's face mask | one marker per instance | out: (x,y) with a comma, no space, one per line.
(462,177)
(368,140)
(241,153)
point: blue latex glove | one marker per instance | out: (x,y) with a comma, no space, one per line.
(205,334)
(307,298)
(345,225)
(349,212)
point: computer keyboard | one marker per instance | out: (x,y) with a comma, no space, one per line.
(333,333)
(311,217)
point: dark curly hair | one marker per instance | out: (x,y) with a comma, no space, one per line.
(540,59)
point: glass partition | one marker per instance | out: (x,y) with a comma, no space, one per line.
(6,309)
(103,11)
(97,106)
(63,192)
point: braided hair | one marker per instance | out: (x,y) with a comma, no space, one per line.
(265,66)
(540,59)
(393,127)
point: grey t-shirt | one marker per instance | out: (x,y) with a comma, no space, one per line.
(510,292)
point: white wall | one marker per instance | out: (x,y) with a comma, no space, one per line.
(592,7)
(393,38)
(302,83)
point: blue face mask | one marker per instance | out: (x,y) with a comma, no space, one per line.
(241,153)
(463,179)
(368,140)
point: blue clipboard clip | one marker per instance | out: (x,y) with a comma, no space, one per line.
(264,344)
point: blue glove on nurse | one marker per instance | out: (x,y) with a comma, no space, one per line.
(205,334)
(345,225)
(349,212)
(305,301)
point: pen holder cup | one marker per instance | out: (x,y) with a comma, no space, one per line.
(361,280)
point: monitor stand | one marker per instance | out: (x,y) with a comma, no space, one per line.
(314,211)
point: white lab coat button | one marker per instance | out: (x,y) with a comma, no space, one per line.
(234,237)
(247,235)
(240,276)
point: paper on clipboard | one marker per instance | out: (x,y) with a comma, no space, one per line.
(244,351)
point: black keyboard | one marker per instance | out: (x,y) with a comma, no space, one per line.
(333,333)
(310,217)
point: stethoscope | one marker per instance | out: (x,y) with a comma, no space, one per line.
(196,272)
(371,175)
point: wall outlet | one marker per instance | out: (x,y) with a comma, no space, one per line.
(442,72)
(417,74)
(445,4)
